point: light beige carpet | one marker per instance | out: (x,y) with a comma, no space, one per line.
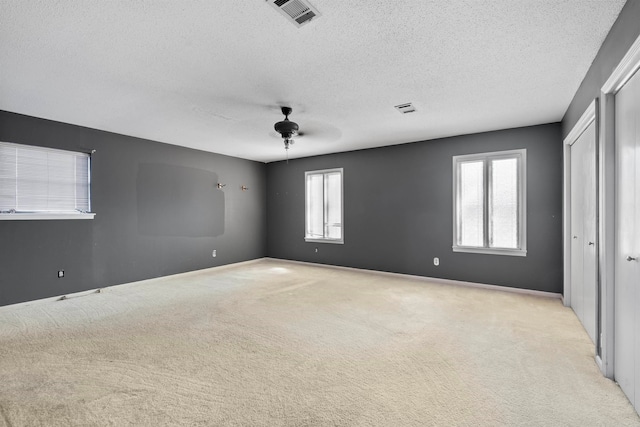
(281,344)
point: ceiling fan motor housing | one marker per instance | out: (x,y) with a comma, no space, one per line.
(286,128)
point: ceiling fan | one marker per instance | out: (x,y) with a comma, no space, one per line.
(286,128)
(317,131)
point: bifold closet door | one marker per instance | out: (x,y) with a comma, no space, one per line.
(583,229)
(627,279)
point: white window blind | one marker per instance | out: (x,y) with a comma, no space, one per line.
(43,180)
(323,206)
(503,204)
(471,192)
(490,203)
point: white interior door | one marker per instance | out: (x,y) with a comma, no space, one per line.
(577,206)
(627,292)
(583,229)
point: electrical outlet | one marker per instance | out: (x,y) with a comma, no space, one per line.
(436,261)
(214,254)
(60,274)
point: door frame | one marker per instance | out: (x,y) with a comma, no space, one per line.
(589,116)
(627,67)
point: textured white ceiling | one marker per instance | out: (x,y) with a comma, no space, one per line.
(211,74)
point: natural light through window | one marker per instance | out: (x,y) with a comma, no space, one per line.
(323,206)
(43,183)
(471,204)
(490,203)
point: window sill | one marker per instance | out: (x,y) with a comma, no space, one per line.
(309,239)
(490,251)
(38,216)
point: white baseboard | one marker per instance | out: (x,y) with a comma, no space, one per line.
(434,279)
(253,261)
(106,288)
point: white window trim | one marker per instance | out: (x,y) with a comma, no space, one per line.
(325,240)
(39,216)
(521,154)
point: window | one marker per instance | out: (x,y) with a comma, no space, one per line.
(43,183)
(490,203)
(323,206)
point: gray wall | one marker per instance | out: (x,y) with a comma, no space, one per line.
(158,213)
(623,33)
(397,205)
(398,210)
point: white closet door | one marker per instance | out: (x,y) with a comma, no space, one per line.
(589,230)
(583,229)
(577,239)
(627,292)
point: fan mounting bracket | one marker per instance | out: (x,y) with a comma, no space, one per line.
(286,110)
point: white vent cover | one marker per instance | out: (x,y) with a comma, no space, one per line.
(405,108)
(299,12)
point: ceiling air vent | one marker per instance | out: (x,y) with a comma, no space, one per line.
(405,108)
(299,12)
